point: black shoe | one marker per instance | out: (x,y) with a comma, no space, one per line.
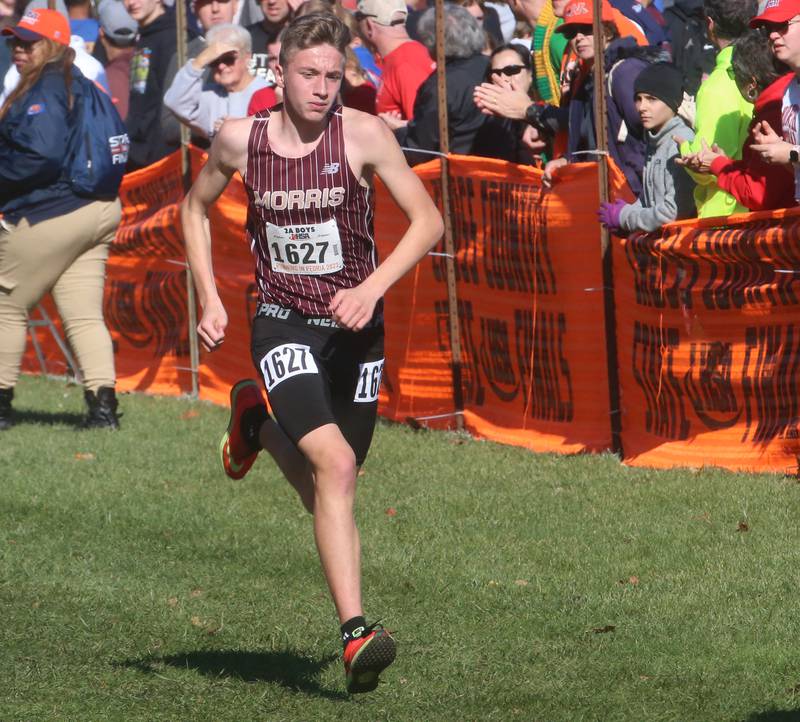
(102,413)
(6,421)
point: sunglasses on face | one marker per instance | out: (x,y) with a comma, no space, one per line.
(571,33)
(780,28)
(362,16)
(25,45)
(227,59)
(508,70)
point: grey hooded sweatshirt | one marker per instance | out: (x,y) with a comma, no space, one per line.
(199,102)
(666,187)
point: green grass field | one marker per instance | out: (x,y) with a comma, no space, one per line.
(138,583)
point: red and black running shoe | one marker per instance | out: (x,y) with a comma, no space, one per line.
(240,446)
(366,657)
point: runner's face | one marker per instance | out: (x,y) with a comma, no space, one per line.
(311,80)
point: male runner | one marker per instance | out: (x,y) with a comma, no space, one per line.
(318,334)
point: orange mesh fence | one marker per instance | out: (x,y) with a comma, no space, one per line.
(708,332)
(709,343)
(529,290)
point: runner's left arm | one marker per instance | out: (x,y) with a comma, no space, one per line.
(353,307)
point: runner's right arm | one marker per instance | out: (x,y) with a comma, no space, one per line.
(224,159)
(378,152)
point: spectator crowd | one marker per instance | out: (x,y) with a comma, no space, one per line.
(702,103)
(701,95)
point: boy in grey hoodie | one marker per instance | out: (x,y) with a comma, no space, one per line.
(666,188)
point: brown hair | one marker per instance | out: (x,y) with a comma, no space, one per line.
(610,30)
(50,52)
(314,6)
(309,31)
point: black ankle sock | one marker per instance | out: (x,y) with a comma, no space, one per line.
(252,420)
(353,629)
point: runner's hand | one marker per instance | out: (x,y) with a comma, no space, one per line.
(211,328)
(352,308)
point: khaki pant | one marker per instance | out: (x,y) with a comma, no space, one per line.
(66,256)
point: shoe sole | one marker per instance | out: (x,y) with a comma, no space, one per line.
(223,444)
(369,662)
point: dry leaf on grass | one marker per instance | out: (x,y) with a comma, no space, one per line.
(84,456)
(172,602)
(190,414)
(195,593)
(743,526)
(604,630)
(521,582)
(391,511)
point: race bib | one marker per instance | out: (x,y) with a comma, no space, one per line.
(369,381)
(312,249)
(285,361)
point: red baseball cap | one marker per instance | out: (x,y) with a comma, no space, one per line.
(580,12)
(775,11)
(41,23)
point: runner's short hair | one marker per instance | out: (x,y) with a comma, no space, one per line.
(309,31)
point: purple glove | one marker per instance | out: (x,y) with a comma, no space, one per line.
(608,214)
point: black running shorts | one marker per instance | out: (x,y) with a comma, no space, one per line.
(317,373)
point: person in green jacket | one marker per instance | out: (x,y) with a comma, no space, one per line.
(722,114)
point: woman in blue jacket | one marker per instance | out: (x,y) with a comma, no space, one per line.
(51,239)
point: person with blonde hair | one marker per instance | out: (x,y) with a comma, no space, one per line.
(53,238)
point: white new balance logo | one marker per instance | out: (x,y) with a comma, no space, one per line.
(329,169)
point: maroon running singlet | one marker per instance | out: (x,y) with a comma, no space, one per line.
(309,220)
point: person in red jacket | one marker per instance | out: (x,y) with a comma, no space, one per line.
(762,80)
